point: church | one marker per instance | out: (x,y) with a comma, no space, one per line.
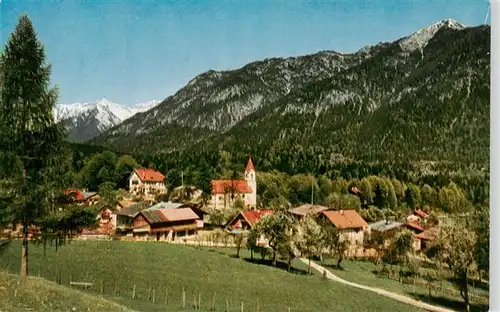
(226,192)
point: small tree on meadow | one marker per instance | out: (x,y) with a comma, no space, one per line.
(251,241)
(239,241)
(457,248)
(309,241)
(277,229)
(332,241)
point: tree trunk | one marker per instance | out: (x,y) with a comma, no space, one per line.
(464,292)
(44,247)
(275,252)
(339,260)
(309,266)
(238,251)
(24,256)
(289,261)
(251,253)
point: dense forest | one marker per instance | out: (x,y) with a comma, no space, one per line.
(383,187)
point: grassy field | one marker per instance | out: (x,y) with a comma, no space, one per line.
(200,272)
(364,273)
(42,295)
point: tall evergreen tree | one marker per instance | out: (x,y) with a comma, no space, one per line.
(31,142)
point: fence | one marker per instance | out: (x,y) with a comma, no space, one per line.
(153,296)
(435,287)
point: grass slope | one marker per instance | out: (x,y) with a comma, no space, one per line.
(42,295)
(365,273)
(171,267)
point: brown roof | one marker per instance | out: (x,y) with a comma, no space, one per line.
(345,219)
(415,225)
(169,215)
(307,209)
(125,203)
(429,235)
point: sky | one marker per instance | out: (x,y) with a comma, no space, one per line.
(135,51)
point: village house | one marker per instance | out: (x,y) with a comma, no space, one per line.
(146,182)
(165,224)
(170,205)
(226,192)
(349,223)
(306,209)
(418,216)
(389,228)
(427,237)
(245,221)
(81,198)
(125,216)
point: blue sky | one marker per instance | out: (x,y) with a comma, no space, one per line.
(136,51)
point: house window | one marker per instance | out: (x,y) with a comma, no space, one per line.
(220,197)
(243,196)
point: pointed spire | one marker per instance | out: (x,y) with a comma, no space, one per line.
(250,165)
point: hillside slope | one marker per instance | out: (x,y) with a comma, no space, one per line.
(422,97)
(43,295)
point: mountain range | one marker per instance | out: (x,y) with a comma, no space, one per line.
(84,121)
(423,97)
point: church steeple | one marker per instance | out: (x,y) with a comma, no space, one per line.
(250,166)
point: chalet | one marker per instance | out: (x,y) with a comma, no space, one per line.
(226,192)
(123,204)
(307,209)
(349,223)
(80,198)
(389,228)
(165,224)
(246,220)
(417,216)
(194,207)
(146,182)
(125,216)
(427,236)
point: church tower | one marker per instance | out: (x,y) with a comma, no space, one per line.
(252,182)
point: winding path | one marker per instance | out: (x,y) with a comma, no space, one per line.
(379,291)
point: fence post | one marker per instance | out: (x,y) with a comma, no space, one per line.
(183,298)
(241,307)
(227,306)
(213,302)
(199,301)
(166,295)
(133,293)
(154,294)
(102,287)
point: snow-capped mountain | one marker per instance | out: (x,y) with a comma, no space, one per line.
(420,38)
(84,121)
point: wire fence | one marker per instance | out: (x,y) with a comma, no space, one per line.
(154,296)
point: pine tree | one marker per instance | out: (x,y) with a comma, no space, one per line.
(31,142)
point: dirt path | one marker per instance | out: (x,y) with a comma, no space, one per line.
(379,291)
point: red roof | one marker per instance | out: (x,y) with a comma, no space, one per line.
(228,186)
(149,175)
(345,219)
(250,165)
(415,225)
(420,213)
(252,216)
(76,195)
